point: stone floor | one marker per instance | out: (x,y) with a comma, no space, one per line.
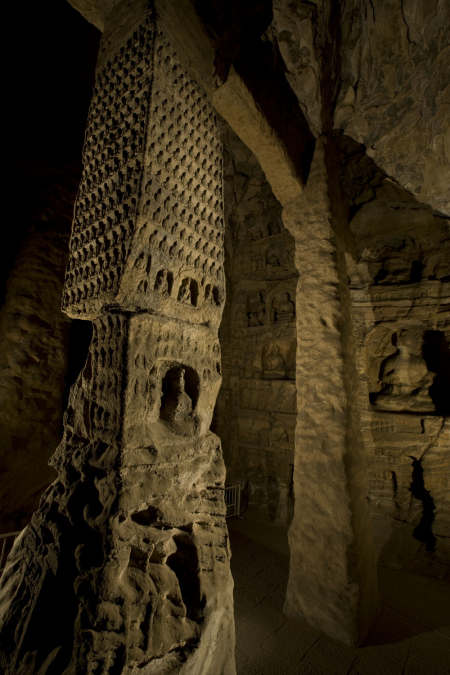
(410,637)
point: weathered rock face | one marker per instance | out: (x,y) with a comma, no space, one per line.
(131,537)
(33,362)
(378,71)
(42,181)
(256,405)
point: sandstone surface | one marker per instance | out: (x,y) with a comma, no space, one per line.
(333,240)
(131,537)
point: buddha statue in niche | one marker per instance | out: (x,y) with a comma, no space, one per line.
(284,308)
(185,292)
(274,364)
(162,283)
(257,313)
(179,403)
(177,408)
(405,380)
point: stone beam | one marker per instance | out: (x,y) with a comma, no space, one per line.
(125,565)
(236,104)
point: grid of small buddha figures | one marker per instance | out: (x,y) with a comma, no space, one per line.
(183,179)
(182,200)
(113,163)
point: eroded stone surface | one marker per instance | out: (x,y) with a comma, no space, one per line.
(128,552)
(377,70)
(332,581)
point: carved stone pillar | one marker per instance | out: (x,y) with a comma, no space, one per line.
(332,580)
(125,566)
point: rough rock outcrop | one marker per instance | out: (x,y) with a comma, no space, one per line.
(378,70)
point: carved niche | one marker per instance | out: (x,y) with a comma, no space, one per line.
(275,360)
(404,370)
(283,308)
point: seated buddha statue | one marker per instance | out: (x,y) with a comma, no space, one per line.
(405,381)
(257,313)
(274,365)
(284,308)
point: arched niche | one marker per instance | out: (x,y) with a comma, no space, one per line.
(188,291)
(180,388)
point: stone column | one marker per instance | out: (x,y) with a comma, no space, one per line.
(332,580)
(125,566)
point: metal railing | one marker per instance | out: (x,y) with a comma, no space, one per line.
(233,500)
(4,552)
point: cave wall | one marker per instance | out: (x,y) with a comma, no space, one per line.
(397,260)
(33,363)
(256,407)
(43,155)
(400,298)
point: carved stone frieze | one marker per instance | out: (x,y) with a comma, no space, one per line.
(150,201)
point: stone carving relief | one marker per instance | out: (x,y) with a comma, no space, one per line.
(261,395)
(139,547)
(283,308)
(404,381)
(276,360)
(266,258)
(262,231)
(176,222)
(261,273)
(256,310)
(274,364)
